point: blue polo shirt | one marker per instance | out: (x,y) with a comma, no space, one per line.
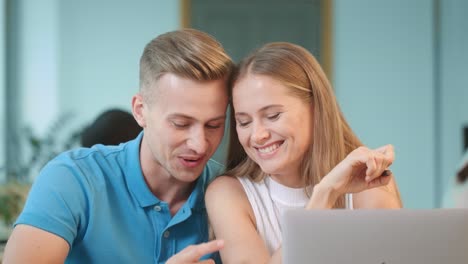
(97,200)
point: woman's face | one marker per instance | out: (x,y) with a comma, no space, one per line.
(274,127)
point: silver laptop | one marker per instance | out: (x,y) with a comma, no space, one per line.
(437,236)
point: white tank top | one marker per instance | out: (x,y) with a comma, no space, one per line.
(269,199)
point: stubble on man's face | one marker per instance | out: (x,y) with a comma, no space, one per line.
(186,124)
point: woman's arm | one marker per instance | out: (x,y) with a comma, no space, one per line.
(382,197)
(232,219)
(361,173)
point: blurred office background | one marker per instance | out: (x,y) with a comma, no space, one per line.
(399,68)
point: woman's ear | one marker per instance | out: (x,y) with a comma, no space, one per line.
(138,110)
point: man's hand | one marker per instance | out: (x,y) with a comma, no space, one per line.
(193,253)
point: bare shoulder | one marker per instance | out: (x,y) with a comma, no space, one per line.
(232,219)
(224,184)
(227,193)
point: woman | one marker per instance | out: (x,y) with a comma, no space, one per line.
(291,148)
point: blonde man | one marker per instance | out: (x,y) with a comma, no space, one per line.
(142,201)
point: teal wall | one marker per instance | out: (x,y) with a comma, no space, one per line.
(383,66)
(454,85)
(82,56)
(400,73)
(2,85)
(37,57)
(100,46)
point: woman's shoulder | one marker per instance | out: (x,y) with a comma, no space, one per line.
(226,191)
(225,184)
(226,196)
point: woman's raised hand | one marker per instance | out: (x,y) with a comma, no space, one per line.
(362,169)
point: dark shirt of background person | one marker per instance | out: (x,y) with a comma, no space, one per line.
(462,173)
(111,127)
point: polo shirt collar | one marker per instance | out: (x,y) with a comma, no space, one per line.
(197,197)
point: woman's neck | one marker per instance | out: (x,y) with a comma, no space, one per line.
(292,180)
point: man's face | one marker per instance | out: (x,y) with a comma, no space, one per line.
(183,125)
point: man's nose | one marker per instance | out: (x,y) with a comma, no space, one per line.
(198,141)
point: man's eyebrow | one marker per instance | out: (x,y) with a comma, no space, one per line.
(265,108)
(183,116)
(177,115)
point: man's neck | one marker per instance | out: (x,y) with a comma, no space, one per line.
(162,184)
(169,190)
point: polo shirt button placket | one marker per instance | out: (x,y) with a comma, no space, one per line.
(157,208)
(166,234)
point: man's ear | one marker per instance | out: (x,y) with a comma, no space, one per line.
(138,110)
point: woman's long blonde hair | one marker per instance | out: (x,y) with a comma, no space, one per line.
(297,69)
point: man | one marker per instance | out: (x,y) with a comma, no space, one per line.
(142,201)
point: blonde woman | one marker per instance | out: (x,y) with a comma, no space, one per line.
(290,148)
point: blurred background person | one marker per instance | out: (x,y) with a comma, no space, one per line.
(457,193)
(111,127)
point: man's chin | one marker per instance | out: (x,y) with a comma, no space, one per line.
(189,175)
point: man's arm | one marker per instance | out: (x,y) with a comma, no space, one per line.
(28,244)
(49,221)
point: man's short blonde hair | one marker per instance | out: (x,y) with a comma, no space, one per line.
(187,53)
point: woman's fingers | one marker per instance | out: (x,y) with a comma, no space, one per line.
(380,181)
(362,169)
(388,151)
(386,173)
(377,161)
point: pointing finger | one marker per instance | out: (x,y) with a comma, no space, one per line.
(195,252)
(207,261)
